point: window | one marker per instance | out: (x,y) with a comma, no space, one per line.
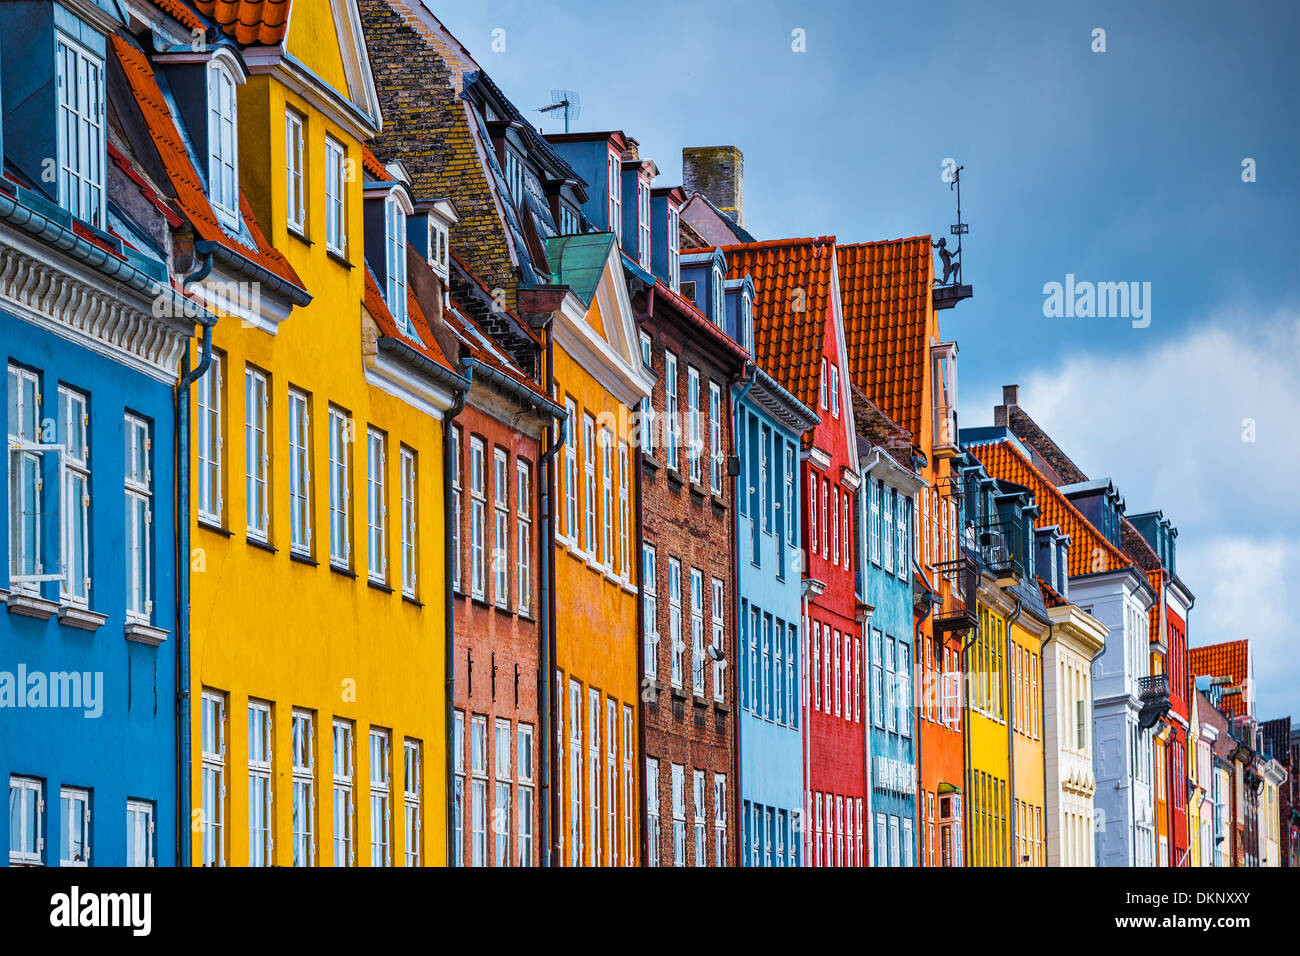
(340,432)
(901,524)
(575,773)
(835,530)
(675,619)
(765,677)
(299,473)
(718,313)
(764,485)
(477,518)
(614,171)
(335,207)
(395,254)
(223,144)
(674,253)
(26,821)
(410,556)
(778,671)
(209,448)
(74,822)
(304,789)
(412,819)
(611,788)
(296,207)
(826,530)
(835,390)
(457,495)
(873,523)
(679,814)
(652,811)
(645,423)
(213,815)
(589,486)
(790,675)
(719,819)
(344,805)
(80,130)
(822,386)
(693,413)
(478,788)
(501,527)
(701,844)
(904,689)
(568,220)
(524,771)
(624,511)
(74,435)
(877,678)
(504,796)
(594,819)
(515,176)
(139,833)
(747,320)
(670,401)
(438,247)
(571,472)
(715,438)
(643,223)
(719,661)
(139,510)
(381,807)
(789,496)
(607,496)
(887,536)
(697,632)
(257,510)
(261,822)
(523,537)
(650,622)
(629,785)
(458,790)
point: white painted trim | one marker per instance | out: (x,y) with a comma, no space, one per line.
(387,375)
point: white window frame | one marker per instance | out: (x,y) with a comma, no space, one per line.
(477,517)
(377,505)
(697,632)
(695,443)
(629,787)
(503,745)
(672,424)
(412,810)
(74,434)
(615,173)
(140,833)
(139,500)
(501,527)
(223,143)
(643,223)
(652,811)
(676,646)
(22,792)
(607,496)
(575,774)
(336,227)
(718,621)
(458,789)
(79,74)
(674,249)
(571,472)
(340,468)
(589,485)
(719,819)
(624,512)
(715,438)
(261,815)
(395,261)
(611,781)
(679,814)
(74,819)
(213,754)
(300,507)
(719,315)
(295,172)
(524,771)
(209,443)
(381,797)
(594,765)
(303,807)
(523,536)
(698,818)
(457,516)
(257,454)
(650,615)
(343,766)
(478,790)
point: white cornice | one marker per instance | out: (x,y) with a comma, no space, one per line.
(628,383)
(389,376)
(1080,628)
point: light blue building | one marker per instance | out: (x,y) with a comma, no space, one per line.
(93,336)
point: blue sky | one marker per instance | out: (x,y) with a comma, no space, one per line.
(1117,166)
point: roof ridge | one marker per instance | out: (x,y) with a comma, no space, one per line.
(777,243)
(882,242)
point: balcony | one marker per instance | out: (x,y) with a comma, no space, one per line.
(1000,544)
(1153,692)
(955,611)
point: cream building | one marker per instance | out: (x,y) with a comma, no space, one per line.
(1270,813)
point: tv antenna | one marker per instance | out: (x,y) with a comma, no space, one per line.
(567,100)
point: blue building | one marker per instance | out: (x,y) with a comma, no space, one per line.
(93,335)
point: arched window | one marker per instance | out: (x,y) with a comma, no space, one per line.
(223,143)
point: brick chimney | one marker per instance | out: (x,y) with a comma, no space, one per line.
(719,173)
(1010,399)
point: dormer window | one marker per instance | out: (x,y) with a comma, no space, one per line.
(438,248)
(515,176)
(615,167)
(223,144)
(944,386)
(395,251)
(747,321)
(568,220)
(80,131)
(674,250)
(835,390)
(719,316)
(822,387)
(643,221)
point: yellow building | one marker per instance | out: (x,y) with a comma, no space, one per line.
(318,586)
(598,375)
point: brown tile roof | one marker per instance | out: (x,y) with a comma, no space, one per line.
(260,22)
(1228,659)
(185,182)
(788,344)
(1050,596)
(483,348)
(885,292)
(689,240)
(1090,553)
(878,428)
(427,345)
(1155,576)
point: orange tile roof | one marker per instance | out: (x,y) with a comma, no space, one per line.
(1003,460)
(788,344)
(371,164)
(262,22)
(427,345)
(1050,596)
(179,12)
(885,291)
(483,348)
(1156,578)
(1229,659)
(185,181)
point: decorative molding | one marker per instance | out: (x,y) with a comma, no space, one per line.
(82,618)
(140,633)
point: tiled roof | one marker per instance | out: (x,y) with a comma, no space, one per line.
(688,238)
(185,181)
(179,12)
(788,344)
(1229,659)
(878,428)
(885,292)
(1050,596)
(1156,578)
(481,347)
(1003,460)
(371,164)
(426,345)
(261,22)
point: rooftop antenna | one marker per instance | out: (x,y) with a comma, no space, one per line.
(567,100)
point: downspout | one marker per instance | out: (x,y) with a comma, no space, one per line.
(918,810)
(449,607)
(1011,739)
(1042,718)
(642,796)
(546,540)
(967,770)
(184,836)
(747,380)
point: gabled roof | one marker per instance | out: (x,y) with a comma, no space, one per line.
(480,346)
(885,292)
(185,180)
(422,342)
(262,22)
(1229,659)
(1051,598)
(579,261)
(789,344)
(1003,460)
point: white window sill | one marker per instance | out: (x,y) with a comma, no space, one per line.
(81,617)
(27,604)
(141,633)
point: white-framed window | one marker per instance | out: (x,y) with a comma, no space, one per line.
(835,529)
(715,438)
(611,779)
(524,771)
(675,619)
(904,507)
(822,387)
(412,812)
(646,420)
(778,671)
(719,315)
(887,532)
(295,170)
(816,665)
(674,249)
(679,814)
(873,520)
(257,454)
(74,435)
(614,170)
(515,176)
(790,676)
(719,819)
(478,748)
(878,678)
(575,773)
(523,536)
(752,682)
(74,824)
(848,529)
(835,390)
(26,821)
(789,495)
(594,817)
(336,177)
(410,552)
(589,484)
(457,495)
(812,512)
(568,220)
(747,320)
(503,739)
(340,432)
(344,798)
(697,632)
(891,686)
(458,789)
(300,511)
(607,496)
(624,511)
(377,504)
(223,143)
(571,471)
(643,223)
(765,678)
(629,788)
(140,833)
(139,510)
(652,811)
(261,818)
(81,149)
(701,843)
(501,527)
(209,443)
(304,788)
(439,248)
(695,443)
(719,662)
(673,423)
(395,252)
(477,518)
(826,525)
(764,480)
(213,793)
(650,621)
(381,797)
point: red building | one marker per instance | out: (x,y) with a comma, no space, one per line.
(799,341)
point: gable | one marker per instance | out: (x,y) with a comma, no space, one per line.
(313,40)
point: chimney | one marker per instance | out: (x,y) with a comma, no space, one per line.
(1010,399)
(719,173)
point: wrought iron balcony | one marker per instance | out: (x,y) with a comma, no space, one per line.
(1153,692)
(1000,544)
(958,584)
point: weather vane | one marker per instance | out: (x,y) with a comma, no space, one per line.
(949,290)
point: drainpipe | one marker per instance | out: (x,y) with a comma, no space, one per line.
(184,836)
(918,810)
(642,796)
(746,379)
(1042,717)
(449,607)
(1011,740)
(546,635)
(967,774)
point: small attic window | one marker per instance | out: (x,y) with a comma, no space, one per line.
(746,320)
(395,252)
(223,143)
(568,220)
(439,246)
(643,223)
(81,151)
(674,249)
(688,290)
(614,171)
(719,316)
